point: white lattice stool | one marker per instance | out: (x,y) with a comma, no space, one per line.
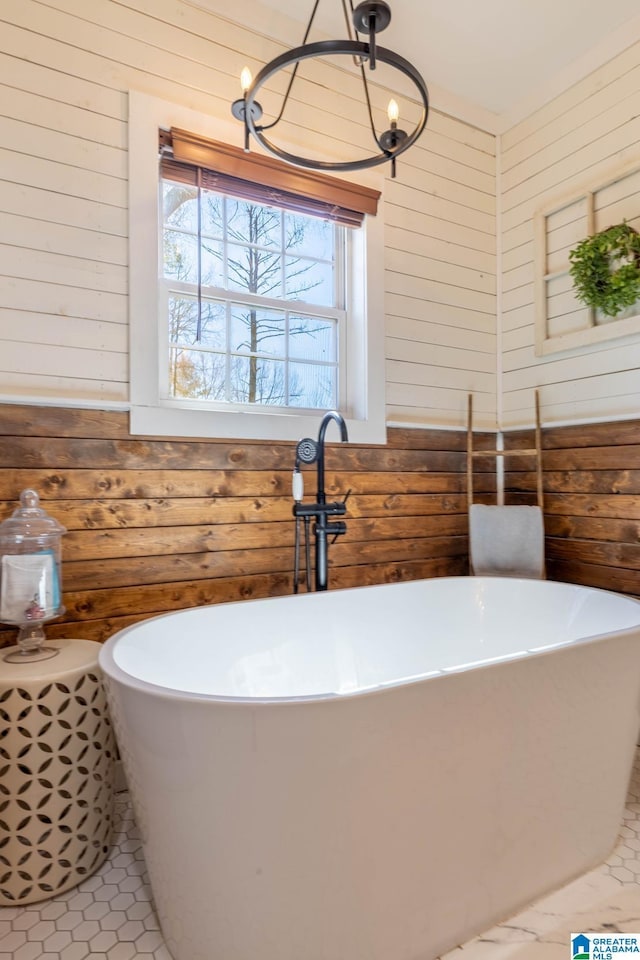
(56,773)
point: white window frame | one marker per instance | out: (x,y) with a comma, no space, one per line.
(150,414)
(333,313)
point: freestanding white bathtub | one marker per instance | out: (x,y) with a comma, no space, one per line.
(377,773)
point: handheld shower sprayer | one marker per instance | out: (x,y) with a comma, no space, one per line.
(306,452)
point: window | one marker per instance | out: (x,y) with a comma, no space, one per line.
(562,321)
(266,310)
(254,296)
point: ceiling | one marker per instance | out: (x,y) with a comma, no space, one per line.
(503,57)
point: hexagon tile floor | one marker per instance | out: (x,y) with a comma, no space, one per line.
(110,916)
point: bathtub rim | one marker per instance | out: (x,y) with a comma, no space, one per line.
(112,671)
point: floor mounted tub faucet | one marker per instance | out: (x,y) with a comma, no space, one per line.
(310,451)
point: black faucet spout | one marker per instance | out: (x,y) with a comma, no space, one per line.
(321,526)
(344,436)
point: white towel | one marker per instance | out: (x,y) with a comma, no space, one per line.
(506,541)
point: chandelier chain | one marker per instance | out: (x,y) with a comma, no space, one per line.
(351,30)
(268,126)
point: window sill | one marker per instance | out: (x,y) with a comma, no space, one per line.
(168,421)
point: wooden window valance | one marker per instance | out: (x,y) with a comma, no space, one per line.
(252,176)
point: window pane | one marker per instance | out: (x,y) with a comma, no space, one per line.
(254,380)
(214,325)
(184,327)
(253,223)
(183,320)
(309,281)
(312,386)
(310,236)
(180,205)
(255,271)
(312,339)
(212,253)
(255,330)
(212,213)
(180,256)
(196,374)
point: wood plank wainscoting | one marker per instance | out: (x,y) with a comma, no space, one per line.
(157,525)
(592,501)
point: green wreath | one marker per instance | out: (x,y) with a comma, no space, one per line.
(605,269)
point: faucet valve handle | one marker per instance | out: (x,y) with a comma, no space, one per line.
(337,527)
(347,495)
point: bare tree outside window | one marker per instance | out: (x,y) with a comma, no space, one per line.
(252,313)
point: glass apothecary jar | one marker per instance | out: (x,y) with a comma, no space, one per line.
(30,576)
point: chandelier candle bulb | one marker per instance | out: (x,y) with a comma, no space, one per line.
(392,138)
(246,106)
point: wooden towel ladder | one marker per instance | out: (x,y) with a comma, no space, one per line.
(535,451)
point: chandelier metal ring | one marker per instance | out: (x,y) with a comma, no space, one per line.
(351,48)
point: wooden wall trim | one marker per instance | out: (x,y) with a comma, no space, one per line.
(156,525)
(592,503)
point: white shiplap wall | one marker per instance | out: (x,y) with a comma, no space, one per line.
(581,137)
(65,69)
(441,291)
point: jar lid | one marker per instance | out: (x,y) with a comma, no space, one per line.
(30,520)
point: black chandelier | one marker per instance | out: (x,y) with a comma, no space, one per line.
(368,18)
